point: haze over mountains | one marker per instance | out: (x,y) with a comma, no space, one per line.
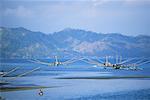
(23,43)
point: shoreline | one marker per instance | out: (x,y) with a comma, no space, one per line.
(23,88)
(107,77)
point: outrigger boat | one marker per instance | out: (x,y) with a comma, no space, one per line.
(56,62)
(118,65)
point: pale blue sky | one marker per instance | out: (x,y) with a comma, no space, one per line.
(130,17)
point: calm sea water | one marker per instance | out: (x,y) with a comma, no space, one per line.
(75,89)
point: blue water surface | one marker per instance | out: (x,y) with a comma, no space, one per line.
(74,89)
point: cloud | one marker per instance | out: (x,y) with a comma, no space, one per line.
(126,2)
(100,2)
(95,15)
(137,2)
(19,11)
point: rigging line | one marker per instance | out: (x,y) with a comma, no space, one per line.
(70,60)
(143,63)
(23,74)
(125,61)
(37,61)
(93,61)
(140,61)
(100,60)
(10,71)
(73,61)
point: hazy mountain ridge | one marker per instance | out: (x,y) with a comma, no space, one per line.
(23,43)
(19,42)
